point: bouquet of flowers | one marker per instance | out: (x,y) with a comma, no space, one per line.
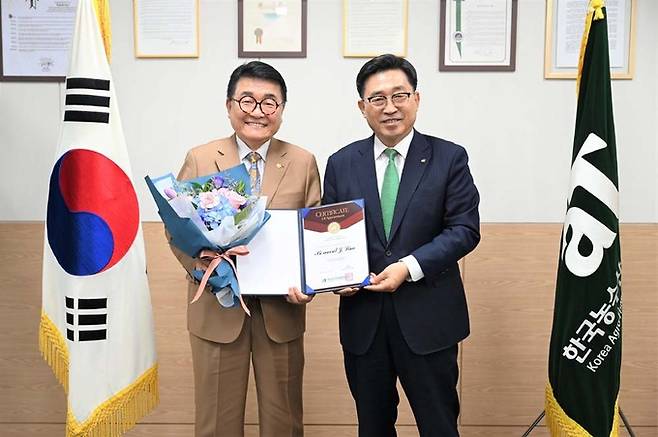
(212,217)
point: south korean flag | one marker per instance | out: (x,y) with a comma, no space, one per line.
(96,327)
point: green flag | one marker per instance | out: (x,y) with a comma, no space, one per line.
(585,350)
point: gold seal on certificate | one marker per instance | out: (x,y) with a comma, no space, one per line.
(333,227)
(314,249)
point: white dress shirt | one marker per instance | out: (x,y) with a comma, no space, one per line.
(381,161)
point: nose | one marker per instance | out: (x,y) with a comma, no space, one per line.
(258,111)
(390,108)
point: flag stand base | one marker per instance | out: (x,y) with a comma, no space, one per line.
(629,429)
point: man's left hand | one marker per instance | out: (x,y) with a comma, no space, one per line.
(295,296)
(390,278)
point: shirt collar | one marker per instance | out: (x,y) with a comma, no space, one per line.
(402,147)
(244,150)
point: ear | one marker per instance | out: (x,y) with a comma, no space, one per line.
(228,105)
(417,97)
(362,107)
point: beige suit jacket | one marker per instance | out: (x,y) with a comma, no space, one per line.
(291,180)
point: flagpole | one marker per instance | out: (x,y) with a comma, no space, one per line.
(543,413)
(534,424)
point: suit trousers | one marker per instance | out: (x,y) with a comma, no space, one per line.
(429,381)
(221,376)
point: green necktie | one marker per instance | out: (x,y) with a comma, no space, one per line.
(389,190)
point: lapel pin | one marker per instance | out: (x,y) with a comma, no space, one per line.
(424,160)
(279,165)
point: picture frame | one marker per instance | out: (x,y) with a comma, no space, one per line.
(478,35)
(167,29)
(565,22)
(386,29)
(23,55)
(272,28)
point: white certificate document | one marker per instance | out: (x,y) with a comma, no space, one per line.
(36,37)
(273,264)
(479,32)
(166,28)
(314,249)
(374,27)
(569,32)
(335,246)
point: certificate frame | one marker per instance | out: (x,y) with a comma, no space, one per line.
(280,47)
(551,45)
(141,53)
(403,33)
(41,77)
(331,251)
(509,61)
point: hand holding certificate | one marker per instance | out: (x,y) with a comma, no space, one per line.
(314,249)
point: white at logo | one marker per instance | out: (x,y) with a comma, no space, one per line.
(587,176)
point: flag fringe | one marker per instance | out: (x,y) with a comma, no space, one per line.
(120,412)
(54,351)
(595,12)
(561,425)
(102,9)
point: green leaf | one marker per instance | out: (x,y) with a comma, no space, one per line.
(243,214)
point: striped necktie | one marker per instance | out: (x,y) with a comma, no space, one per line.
(389,190)
(254,174)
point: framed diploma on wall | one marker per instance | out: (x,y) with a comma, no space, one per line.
(272,28)
(477,35)
(371,28)
(565,23)
(166,28)
(314,249)
(36,39)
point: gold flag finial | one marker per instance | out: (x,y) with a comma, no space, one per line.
(102,8)
(594,12)
(596,6)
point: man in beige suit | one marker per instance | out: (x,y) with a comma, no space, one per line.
(225,340)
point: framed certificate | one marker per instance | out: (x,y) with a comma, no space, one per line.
(373,28)
(477,35)
(565,23)
(36,39)
(314,249)
(272,28)
(166,28)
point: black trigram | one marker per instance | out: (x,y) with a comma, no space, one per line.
(86,319)
(87,100)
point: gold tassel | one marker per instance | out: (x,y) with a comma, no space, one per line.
(561,425)
(102,8)
(121,412)
(54,351)
(594,11)
(597,7)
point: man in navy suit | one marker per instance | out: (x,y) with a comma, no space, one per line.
(421,218)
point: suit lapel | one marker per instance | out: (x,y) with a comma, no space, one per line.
(276,165)
(415,164)
(227,154)
(364,164)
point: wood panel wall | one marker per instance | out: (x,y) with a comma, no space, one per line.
(510,287)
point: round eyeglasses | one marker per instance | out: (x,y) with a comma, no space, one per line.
(398,99)
(248,104)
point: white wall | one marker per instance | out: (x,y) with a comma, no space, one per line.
(517,127)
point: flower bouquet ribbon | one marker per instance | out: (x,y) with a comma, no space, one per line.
(213,218)
(215,260)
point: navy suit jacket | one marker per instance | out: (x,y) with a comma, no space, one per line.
(436,220)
